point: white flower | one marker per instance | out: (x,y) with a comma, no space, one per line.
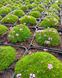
(18,75)
(50,66)
(21,29)
(49,38)
(28,16)
(54,31)
(17,34)
(47,42)
(33,75)
(39,31)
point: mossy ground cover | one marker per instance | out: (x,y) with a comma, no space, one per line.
(21,15)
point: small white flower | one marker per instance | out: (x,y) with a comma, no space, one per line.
(18,76)
(17,34)
(21,29)
(28,16)
(39,31)
(47,42)
(54,31)
(33,75)
(50,66)
(49,38)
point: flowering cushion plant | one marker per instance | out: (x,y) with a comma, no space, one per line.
(48,36)
(42,64)
(19,33)
(9,19)
(28,20)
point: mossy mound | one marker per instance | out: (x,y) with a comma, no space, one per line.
(28,20)
(5,10)
(42,64)
(9,19)
(19,33)
(49,21)
(35,14)
(48,36)
(18,13)
(3,29)
(7,56)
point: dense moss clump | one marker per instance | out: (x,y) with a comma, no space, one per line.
(38,8)
(19,33)
(10,18)
(7,56)
(35,14)
(48,36)
(3,29)
(24,7)
(42,64)
(18,13)
(28,20)
(49,21)
(5,10)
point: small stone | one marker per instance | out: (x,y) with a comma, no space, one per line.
(45,49)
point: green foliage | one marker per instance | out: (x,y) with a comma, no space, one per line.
(35,14)
(28,20)
(5,10)
(19,33)
(10,18)
(55,6)
(7,56)
(0,17)
(3,29)
(42,64)
(24,7)
(48,36)
(40,9)
(49,21)
(18,13)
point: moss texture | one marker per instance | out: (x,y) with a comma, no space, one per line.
(42,64)
(19,33)
(48,36)
(7,56)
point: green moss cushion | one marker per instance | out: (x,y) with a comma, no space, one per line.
(3,29)
(5,10)
(7,56)
(55,6)
(19,33)
(24,7)
(42,64)
(35,14)
(48,36)
(10,18)
(49,21)
(40,9)
(28,20)
(18,13)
